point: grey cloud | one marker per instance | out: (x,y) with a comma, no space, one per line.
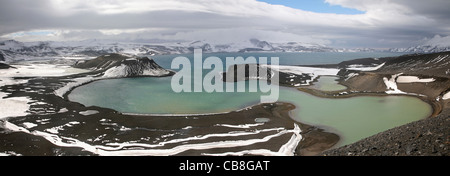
(22,15)
(425,19)
(436,9)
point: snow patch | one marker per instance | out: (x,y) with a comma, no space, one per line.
(70,124)
(29,125)
(117,71)
(446,96)
(131,59)
(76,82)
(63,110)
(182,148)
(13,106)
(412,79)
(55,130)
(155,72)
(391,85)
(260,152)
(88,112)
(239,126)
(437,59)
(262,120)
(359,68)
(312,71)
(187,127)
(287,149)
(351,75)
(40,70)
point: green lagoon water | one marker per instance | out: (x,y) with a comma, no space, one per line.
(328,83)
(358,117)
(352,118)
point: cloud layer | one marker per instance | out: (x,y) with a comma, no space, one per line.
(385,23)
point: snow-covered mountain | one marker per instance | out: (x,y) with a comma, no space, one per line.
(436,44)
(15,51)
(12,50)
(119,65)
(422,49)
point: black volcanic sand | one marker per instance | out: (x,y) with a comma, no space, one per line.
(110,126)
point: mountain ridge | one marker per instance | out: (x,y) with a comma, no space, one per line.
(12,51)
(118,65)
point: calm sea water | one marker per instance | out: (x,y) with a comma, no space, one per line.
(286,58)
(353,118)
(328,83)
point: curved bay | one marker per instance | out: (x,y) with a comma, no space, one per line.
(352,118)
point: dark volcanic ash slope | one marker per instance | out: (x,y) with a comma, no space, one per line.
(434,64)
(102,62)
(117,65)
(424,66)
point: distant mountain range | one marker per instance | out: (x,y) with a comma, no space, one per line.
(422,49)
(12,50)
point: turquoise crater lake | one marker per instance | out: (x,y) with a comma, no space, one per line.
(351,118)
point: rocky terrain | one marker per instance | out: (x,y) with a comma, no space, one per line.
(426,76)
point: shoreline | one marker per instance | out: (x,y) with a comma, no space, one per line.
(41,89)
(436,109)
(436,106)
(316,141)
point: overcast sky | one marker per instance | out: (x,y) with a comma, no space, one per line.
(370,23)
